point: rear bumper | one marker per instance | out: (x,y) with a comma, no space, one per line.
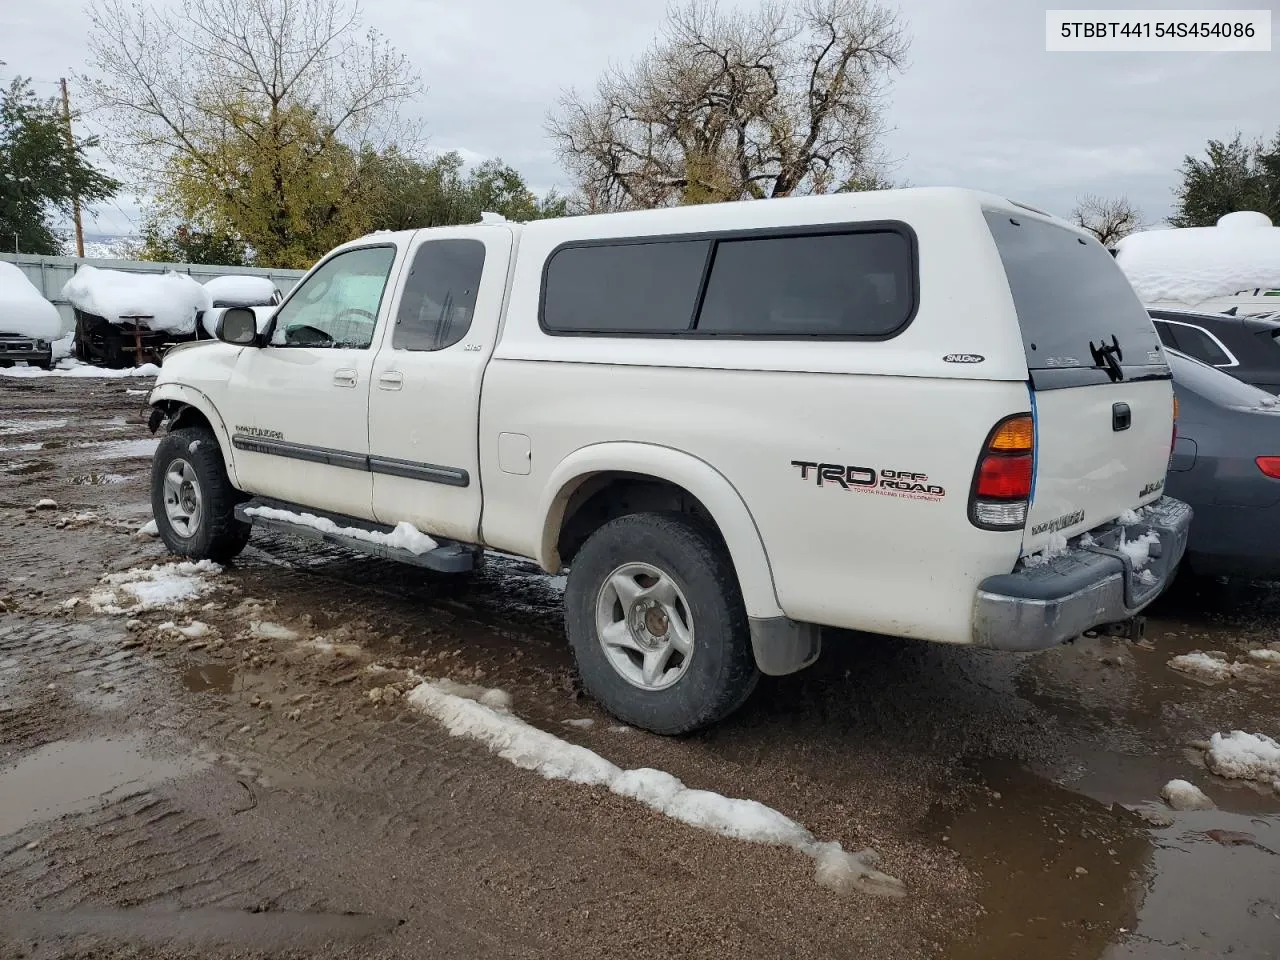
(1094,582)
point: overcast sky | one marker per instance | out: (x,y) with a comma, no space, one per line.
(981,103)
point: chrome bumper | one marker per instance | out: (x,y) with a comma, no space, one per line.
(1093,583)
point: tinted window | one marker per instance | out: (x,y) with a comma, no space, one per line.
(1197,343)
(1067,294)
(856,284)
(1166,334)
(439,295)
(626,287)
(337,306)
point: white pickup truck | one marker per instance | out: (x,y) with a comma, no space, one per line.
(927,413)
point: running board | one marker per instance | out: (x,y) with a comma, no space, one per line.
(449,557)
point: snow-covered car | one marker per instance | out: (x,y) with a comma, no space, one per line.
(238,290)
(124,318)
(1233,267)
(931,413)
(28,322)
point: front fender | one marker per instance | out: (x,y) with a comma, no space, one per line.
(712,488)
(164,394)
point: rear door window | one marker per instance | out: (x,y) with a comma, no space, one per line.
(1167,335)
(1069,292)
(1197,343)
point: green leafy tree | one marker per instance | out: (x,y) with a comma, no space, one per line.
(1231,176)
(404,192)
(248,116)
(41,176)
(172,242)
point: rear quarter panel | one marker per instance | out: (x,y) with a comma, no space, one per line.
(875,558)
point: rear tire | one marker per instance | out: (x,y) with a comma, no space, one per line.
(658,627)
(192,499)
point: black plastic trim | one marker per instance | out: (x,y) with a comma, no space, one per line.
(755,233)
(412,470)
(409,469)
(1065,378)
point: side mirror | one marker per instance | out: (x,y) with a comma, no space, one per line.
(238,326)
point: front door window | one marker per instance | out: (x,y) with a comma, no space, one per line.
(337,306)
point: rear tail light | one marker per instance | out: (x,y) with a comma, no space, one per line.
(1173,443)
(1001,493)
(1270,466)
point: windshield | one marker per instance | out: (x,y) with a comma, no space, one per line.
(1068,293)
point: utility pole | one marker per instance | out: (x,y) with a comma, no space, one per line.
(71,145)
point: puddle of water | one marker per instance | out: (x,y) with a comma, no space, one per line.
(1061,874)
(32,466)
(266,930)
(1215,890)
(70,776)
(209,677)
(13,427)
(124,449)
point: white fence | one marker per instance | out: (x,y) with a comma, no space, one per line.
(49,274)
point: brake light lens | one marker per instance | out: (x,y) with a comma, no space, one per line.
(1173,443)
(1001,492)
(1269,466)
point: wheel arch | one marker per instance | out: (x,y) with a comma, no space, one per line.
(587,473)
(185,406)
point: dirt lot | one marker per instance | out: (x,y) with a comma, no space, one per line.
(260,787)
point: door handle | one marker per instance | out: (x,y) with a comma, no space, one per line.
(391,380)
(344,378)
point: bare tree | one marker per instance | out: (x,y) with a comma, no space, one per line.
(1108,220)
(784,100)
(252,108)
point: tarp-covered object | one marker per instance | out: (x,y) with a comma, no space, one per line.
(167,301)
(23,311)
(1190,265)
(235,290)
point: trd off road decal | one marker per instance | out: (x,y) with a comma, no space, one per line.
(258,432)
(887,483)
(1150,488)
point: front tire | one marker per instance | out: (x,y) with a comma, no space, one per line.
(192,499)
(656,619)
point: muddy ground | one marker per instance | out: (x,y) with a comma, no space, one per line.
(247,792)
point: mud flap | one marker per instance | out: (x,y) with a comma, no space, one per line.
(783,646)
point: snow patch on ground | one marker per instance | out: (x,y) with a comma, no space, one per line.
(405,536)
(192,631)
(149,529)
(1265,656)
(321,645)
(1244,756)
(463,711)
(150,588)
(1206,667)
(1182,795)
(74,368)
(44,503)
(582,723)
(266,630)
